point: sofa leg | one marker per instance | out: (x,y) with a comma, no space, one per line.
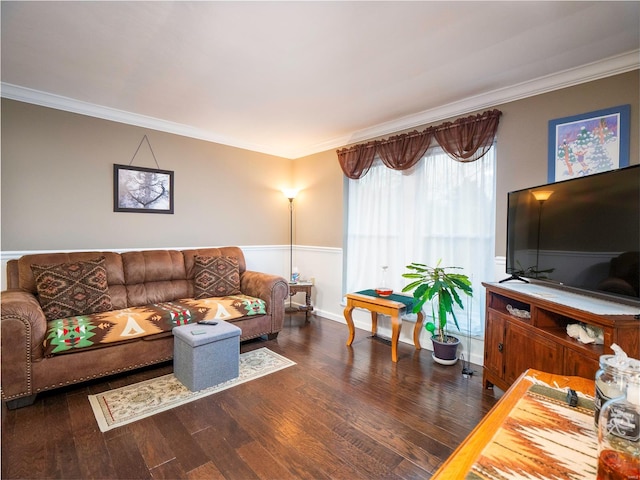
(21,402)
(272,336)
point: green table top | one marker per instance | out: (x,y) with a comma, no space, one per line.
(408,301)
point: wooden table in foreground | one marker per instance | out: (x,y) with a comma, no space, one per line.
(463,458)
(383,306)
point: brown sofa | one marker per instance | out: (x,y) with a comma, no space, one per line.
(134,278)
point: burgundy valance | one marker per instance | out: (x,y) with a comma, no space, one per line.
(468,139)
(465,140)
(402,152)
(356,161)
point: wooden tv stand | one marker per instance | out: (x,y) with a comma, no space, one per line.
(513,344)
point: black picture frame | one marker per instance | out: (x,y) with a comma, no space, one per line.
(142,190)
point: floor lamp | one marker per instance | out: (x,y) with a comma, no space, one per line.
(541,196)
(291,195)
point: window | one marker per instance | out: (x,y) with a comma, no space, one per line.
(439,209)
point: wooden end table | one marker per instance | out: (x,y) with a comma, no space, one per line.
(302,287)
(383,306)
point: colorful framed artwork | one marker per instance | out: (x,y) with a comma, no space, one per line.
(142,190)
(589,143)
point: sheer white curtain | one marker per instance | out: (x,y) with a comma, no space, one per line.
(440,209)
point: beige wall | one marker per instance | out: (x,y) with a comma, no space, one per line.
(57,186)
(319,207)
(57,178)
(523,133)
(521,153)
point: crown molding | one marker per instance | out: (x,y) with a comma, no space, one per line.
(59,102)
(594,71)
(587,73)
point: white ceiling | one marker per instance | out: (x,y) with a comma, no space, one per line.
(295,78)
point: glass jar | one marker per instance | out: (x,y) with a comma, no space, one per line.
(619,431)
(610,378)
(384,290)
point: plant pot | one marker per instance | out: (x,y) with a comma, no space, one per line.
(445,353)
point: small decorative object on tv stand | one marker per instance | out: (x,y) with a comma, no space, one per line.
(518,313)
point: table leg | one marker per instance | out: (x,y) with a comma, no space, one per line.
(347,316)
(307,304)
(417,329)
(395,335)
(374,323)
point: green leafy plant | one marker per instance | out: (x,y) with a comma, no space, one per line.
(442,289)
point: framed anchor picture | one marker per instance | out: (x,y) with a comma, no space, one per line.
(142,190)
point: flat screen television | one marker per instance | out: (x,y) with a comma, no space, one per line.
(581,234)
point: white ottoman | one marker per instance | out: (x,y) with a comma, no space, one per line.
(206,355)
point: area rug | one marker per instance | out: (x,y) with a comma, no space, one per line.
(134,402)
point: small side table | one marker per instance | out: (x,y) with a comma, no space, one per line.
(302,287)
(385,306)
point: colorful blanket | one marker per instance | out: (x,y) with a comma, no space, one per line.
(70,334)
(543,437)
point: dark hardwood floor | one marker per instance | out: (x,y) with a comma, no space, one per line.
(341,412)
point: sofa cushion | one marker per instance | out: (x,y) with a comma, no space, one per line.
(74,288)
(154,276)
(216,276)
(235,252)
(26,279)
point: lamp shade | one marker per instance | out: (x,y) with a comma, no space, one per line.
(290,193)
(542,195)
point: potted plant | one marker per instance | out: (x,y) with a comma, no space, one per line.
(442,289)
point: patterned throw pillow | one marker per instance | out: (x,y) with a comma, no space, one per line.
(216,276)
(70,289)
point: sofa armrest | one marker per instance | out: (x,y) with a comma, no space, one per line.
(23,327)
(273,289)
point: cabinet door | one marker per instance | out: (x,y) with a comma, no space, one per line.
(494,343)
(578,365)
(524,349)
